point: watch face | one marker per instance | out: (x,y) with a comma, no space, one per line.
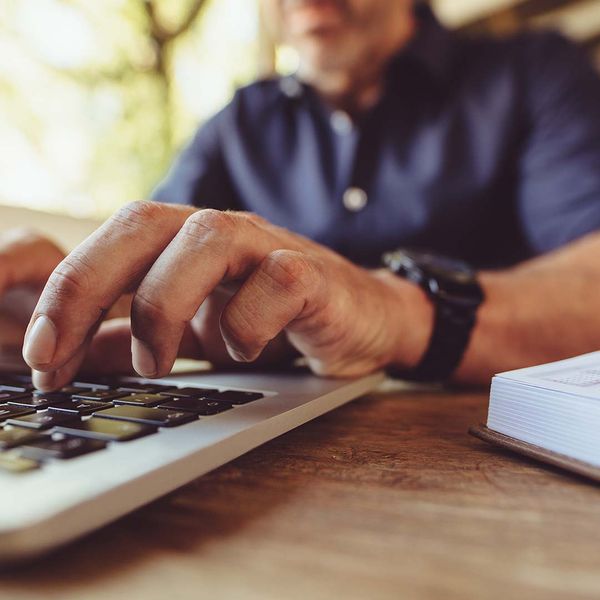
(440,276)
(435,264)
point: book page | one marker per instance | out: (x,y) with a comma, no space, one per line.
(579,375)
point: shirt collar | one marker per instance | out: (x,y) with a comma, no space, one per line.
(433,47)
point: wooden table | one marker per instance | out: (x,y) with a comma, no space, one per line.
(387,497)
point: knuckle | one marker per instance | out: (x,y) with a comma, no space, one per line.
(253,218)
(71,278)
(139,213)
(291,271)
(150,305)
(209,221)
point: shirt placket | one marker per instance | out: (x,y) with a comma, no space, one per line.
(347,137)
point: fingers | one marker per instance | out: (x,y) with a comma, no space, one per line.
(107,353)
(110,349)
(177,255)
(26,258)
(286,287)
(57,378)
(211,247)
(54,380)
(83,287)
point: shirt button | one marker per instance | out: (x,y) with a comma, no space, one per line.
(341,122)
(355,199)
(290,87)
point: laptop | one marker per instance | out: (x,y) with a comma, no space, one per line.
(74,461)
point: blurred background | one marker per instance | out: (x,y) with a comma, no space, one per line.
(97,97)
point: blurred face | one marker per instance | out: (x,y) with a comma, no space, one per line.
(339,34)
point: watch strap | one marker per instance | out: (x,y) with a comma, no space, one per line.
(452,330)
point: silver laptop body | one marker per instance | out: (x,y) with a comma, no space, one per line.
(65,499)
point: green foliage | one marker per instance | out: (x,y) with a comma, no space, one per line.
(96,97)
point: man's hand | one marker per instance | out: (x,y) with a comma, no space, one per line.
(347,321)
(26,259)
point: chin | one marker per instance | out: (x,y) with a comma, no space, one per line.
(323,52)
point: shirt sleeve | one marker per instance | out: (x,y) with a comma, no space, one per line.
(199,175)
(559,189)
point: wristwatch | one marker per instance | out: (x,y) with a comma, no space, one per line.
(452,287)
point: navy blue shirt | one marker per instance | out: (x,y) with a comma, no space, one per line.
(482,149)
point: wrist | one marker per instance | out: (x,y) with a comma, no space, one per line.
(410,317)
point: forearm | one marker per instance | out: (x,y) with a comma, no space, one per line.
(542,310)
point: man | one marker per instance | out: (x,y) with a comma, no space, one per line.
(393,133)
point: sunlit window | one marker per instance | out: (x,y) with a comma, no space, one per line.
(96,97)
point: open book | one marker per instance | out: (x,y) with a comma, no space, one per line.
(550,412)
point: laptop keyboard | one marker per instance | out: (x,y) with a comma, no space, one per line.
(87,416)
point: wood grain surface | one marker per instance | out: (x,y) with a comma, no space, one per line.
(387,497)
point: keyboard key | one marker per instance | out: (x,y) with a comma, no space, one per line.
(40,401)
(70,390)
(99,395)
(189,392)
(141,400)
(151,416)
(143,388)
(15,436)
(82,407)
(201,407)
(236,397)
(68,447)
(106,430)
(42,420)
(7,411)
(15,386)
(60,396)
(10,396)
(14,463)
(92,385)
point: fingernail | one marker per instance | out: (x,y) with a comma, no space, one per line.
(40,344)
(237,355)
(43,381)
(143,360)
